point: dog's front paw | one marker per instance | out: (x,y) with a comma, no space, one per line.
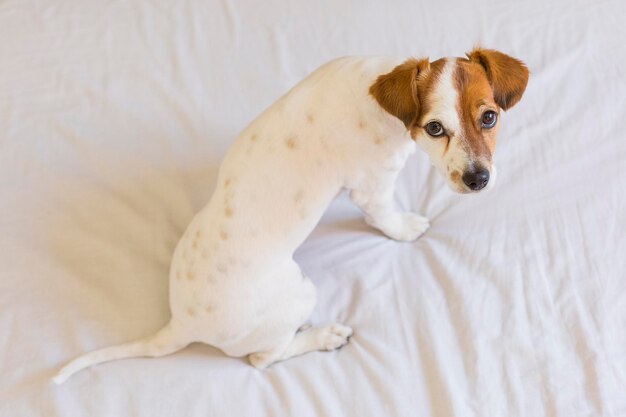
(333,336)
(404,227)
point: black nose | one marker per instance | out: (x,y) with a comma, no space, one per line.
(476,180)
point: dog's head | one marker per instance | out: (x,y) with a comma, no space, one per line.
(451,107)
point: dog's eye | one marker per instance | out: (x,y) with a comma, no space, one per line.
(489,119)
(434,129)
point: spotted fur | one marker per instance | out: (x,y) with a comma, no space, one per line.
(349,125)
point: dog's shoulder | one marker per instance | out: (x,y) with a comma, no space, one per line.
(353,67)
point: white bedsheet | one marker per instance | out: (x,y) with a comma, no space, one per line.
(114,117)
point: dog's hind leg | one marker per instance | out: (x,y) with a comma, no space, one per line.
(169,339)
(328,337)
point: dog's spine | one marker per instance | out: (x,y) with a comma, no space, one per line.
(169,339)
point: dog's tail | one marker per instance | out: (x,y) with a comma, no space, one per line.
(169,339)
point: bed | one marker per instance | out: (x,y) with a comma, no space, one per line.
(114,117)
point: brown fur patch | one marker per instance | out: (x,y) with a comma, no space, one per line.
(310,118)
(227,182)
(396,92)
(190,275)
(223,235)
(475,97)
(228,212)
(291,143)
(455,176)
(508,76)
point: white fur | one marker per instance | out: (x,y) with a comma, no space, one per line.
(445,99)
(233,282)
(444,110)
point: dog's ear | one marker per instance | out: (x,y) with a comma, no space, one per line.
(508,76)
(396,92)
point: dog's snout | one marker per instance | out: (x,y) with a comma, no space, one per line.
(476,179)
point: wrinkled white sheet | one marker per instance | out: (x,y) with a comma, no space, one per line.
(114,117)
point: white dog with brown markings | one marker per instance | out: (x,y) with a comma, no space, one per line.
(350,125)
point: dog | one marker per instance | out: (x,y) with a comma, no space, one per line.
(351,125)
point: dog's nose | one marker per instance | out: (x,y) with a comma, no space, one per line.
(476,180)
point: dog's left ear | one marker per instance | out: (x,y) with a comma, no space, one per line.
(396,92)
(508,76)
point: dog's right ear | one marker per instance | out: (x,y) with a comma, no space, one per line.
(396,92)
